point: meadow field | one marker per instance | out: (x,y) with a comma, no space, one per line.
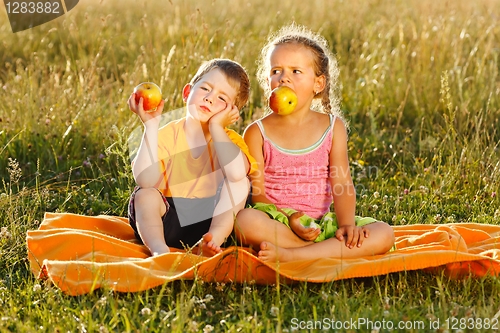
(420,89)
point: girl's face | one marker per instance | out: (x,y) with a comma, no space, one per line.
(292,65)
(209,96)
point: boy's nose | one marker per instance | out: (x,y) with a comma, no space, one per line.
(208,99)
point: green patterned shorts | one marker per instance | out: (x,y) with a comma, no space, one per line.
(327,224)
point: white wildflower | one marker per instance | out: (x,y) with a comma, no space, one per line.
(274,311)
(146,311)
(208,329)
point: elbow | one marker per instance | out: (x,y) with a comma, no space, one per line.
(235,176)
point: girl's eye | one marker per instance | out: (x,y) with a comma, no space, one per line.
(275,71)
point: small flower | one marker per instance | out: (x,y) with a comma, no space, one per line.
(376,195)
(208,329)
(37,288)
(208,298)
(274,311)
(86,163)
(406,191)
(324,295)
(102,301)
(385,198)
(193,326)
(375,207)
(4,233)
(146,311)
(493,194)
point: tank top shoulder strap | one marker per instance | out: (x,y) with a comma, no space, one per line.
(261,128)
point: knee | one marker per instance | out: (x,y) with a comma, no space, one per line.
(386,235)
(239,190)
(243,220)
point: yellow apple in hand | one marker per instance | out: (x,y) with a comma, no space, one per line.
(150,93)
(283,100)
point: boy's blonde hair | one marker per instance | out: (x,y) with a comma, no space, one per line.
(327,101)
(236,76)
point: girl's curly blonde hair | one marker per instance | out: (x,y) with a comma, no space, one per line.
(325,63)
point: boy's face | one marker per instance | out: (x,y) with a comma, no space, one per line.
(209,96)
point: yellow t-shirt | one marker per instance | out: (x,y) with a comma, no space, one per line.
(185,176)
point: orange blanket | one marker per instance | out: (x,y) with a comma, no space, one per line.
(81,253)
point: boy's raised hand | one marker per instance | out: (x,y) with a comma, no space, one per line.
(353,235)
(226,117)
(138,109)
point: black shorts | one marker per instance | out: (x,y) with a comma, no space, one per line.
(176,231)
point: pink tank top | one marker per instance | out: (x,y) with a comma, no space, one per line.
(299,179)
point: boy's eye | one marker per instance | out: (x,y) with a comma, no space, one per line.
(222,99)
(204,88)
(296,71)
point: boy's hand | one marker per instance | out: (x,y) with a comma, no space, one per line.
(138,109)
(353,235)
(308,234)
(226,117)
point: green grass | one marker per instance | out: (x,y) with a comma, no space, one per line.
(420,88)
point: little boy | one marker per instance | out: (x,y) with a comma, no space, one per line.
(192,172)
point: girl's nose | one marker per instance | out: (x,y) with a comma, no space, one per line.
(284,78)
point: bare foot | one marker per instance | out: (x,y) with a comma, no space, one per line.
(272,253)
(208,247)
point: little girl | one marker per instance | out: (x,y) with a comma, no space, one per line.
(303,162)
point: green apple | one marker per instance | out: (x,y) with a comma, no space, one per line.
(150,93)
(283,100)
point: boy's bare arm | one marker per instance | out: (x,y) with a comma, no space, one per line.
(233,162)
(146,167)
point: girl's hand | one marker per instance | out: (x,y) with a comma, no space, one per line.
(226,117)
(308,234)
(138,109)
(353,235)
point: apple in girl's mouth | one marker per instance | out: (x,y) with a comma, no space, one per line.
(283,100)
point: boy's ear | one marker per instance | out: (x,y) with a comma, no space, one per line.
(185,92)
